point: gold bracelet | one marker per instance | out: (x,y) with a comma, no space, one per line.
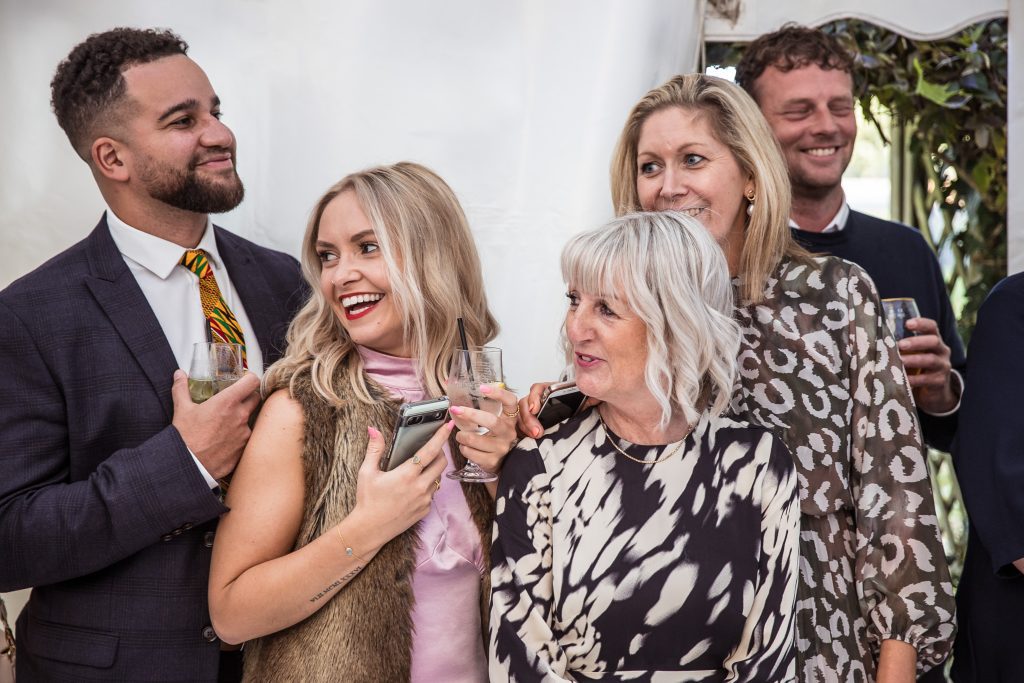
(348,549)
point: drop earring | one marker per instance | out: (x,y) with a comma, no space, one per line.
(750,206)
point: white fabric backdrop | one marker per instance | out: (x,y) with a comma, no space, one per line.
(516,104)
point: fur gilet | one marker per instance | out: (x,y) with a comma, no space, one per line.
(364,633)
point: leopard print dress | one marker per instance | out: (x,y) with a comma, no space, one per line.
(818,366)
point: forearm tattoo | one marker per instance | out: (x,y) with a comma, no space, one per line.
(340,582)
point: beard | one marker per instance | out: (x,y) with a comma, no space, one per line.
(187,190)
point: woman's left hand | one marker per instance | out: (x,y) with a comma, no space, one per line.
(488,450)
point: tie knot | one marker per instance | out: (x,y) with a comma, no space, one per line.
(196,261)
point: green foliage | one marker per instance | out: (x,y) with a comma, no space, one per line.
(947,101)
(949,96)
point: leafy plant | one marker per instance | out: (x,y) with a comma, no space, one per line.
(947,99)
(947,102)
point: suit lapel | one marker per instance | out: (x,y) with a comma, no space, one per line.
(253,289)
(119,295)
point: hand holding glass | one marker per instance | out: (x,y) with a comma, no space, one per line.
(471,369)
(215,367)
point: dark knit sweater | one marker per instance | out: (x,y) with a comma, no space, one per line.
(902,264)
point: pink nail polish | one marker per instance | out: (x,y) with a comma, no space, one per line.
(373,432)
(485,389)
(455,410)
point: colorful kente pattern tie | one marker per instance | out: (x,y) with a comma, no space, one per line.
(223,326)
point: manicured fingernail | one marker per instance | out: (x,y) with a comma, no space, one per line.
(455,410)
(486,389)
(536,432)
(373,432)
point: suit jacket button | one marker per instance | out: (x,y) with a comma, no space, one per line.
(166,537)
(176,532)
(209,635)
(186,526)
(208,539)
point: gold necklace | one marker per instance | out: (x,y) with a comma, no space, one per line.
(663,458)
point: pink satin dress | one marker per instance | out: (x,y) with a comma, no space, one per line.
(447,642)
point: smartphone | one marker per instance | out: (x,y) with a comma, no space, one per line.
(417,422)
(561,401)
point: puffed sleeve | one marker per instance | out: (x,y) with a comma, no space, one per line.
(766,652)
(902,580)
(523,647)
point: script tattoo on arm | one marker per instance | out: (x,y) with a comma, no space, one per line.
(340,582)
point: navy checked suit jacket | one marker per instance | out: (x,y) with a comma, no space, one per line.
(102,509)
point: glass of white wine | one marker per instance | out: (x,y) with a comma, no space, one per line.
(470,369)
(215,367)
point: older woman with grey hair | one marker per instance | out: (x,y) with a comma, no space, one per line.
(649,535)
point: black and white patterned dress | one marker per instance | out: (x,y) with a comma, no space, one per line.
(818,367)
(607,569)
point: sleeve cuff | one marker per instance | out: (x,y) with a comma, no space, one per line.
(958,389)
(210,481)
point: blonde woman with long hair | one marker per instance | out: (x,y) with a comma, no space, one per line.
(817,365)
(338,570)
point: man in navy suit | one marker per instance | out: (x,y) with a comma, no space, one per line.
(989,457)
(802,79)
(108,471)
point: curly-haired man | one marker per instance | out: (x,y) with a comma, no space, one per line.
(109,497)
(802,79)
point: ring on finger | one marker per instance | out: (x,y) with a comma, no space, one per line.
(416,459)
(512,415)
(437,485)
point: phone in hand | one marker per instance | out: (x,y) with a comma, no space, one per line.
(560,401)
(417,422)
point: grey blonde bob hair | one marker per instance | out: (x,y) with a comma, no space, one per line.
(671,273)
(739,125)
(434,273)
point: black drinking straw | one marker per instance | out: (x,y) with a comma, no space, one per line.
(469,360)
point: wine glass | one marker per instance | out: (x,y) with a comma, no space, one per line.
(215,367)
(897,312)
(470,369)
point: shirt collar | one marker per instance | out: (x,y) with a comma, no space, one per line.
(155,254)
(838,222)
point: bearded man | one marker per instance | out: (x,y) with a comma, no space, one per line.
(109,497)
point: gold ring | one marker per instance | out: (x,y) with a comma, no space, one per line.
(416,459)
(512,415)
(437,485)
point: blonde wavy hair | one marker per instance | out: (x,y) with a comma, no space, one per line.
(670,272)
(434,273)
(739,125)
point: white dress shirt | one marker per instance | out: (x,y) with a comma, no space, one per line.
(173,293)
(837,223)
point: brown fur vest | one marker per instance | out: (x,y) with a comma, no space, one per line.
(364,633)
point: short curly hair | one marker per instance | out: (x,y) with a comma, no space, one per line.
(791,47)
(88,86)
